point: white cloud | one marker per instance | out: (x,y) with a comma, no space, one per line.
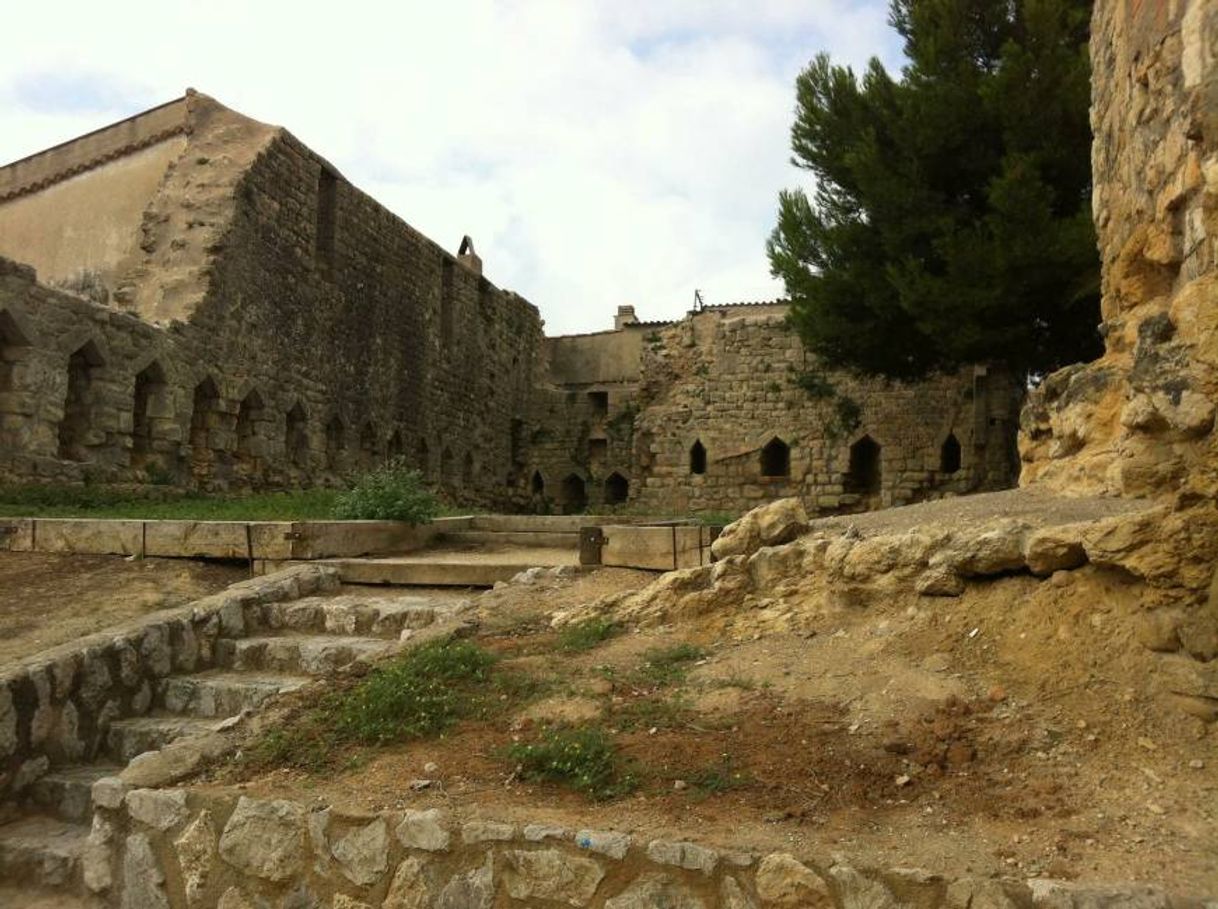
(616,151)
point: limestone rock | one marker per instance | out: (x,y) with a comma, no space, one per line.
(233,899)
(143,880)
(972,893)
(409,888)
(785,881)
(423,830)
(265,838)
(939,582)
(95,859)
(606,842)
(196,849)
(732,896)
(471,889)
(108,792)
(683,855)
(767,525)
(363,854)
(550,874)
(342,901)
(655,891)
(989,551)
(856,891)
(485,831)
(159,808)
(1053,549)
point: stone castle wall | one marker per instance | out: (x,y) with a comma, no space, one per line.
(719,415)
(299,331)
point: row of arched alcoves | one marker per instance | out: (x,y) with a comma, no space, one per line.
(864,469)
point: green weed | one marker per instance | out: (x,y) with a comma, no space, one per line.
(582,758)
(587,635)
(668,665)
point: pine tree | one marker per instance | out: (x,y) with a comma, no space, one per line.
(951,221)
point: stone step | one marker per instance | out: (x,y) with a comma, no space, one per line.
(217,693)
(550,538)
(133,736)
(307,654)
(42,851)
(67,792)
(349,615)
(420,571)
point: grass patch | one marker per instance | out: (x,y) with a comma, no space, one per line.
(653,713)
(586,635)
(420,694)
(167,504)
(668,665)
(582,758)
(721,777)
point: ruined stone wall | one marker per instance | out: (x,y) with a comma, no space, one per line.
(281,328)
(1139,420)
(726,411)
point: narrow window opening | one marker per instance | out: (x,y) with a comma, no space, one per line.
(776,459)
(10,340)
(574,497)
(538,485)
(617,489)
(396,446)
(367,445)
(327,219)
(148,404)
(76,425)
(599,402)
(423,458)
(446,301)
(296,436)
(251,413)
(447,469)
(467,471)
(697,458)
(864,473)
(336,443)
(204,421)
(949,455)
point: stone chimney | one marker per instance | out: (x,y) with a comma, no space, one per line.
(625,316)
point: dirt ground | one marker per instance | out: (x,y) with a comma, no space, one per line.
(48,599)
(1006,732)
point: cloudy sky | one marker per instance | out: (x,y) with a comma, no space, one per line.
(599,152)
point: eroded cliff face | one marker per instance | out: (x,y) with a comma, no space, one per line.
(1139,421)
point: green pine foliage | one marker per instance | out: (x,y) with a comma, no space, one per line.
(951,221)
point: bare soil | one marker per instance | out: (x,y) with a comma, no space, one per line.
(47,599)
(1005,732)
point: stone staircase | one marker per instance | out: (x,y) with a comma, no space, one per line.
(287,644)
(486,550)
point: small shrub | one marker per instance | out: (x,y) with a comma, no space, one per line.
(582,758)
(654,713)
(816,384)
(849,414)
(586,635)
(668,665)
(394,492)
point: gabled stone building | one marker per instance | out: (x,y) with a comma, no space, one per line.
(195,298)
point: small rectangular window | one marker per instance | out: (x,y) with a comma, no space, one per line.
(327,204)
(446,301)
(599,400)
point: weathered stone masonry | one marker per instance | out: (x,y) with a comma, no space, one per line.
(206,302)
(709,414)
(273,326)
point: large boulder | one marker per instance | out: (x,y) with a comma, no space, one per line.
(767,525)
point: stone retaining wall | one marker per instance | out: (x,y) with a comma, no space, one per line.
(194,848)
(56,708)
